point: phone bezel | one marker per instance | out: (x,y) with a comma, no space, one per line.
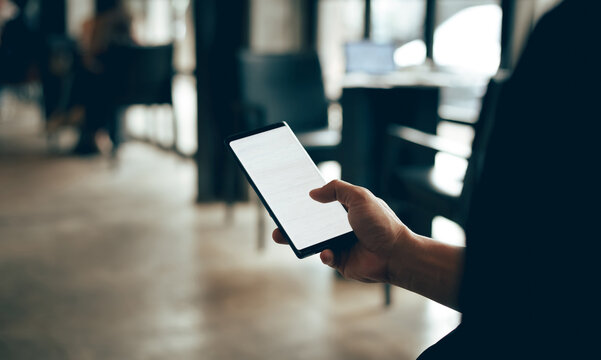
(338,242)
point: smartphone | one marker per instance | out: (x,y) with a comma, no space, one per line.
(281,172)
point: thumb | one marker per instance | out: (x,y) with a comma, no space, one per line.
(339,190)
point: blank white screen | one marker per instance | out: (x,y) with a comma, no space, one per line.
(284,174)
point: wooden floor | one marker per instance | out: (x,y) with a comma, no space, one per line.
(117,262)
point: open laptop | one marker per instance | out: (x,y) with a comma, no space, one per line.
(369,57)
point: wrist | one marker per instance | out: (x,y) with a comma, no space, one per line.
(427,267)
(404,248)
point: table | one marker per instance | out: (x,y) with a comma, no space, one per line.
(371,102)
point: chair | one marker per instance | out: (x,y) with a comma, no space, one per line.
(413,188)
(20,50)
(132,75)
(142,75)
(288,87)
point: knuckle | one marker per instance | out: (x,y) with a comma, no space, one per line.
(363,193)
(335,182)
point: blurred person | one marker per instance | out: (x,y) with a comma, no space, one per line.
(94,87)
(112,25)
(20,44)
(526,281)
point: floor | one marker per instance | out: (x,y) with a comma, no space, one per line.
(114,260)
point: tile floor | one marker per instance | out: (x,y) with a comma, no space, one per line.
(115,261)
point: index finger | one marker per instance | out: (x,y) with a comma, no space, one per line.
(278,237)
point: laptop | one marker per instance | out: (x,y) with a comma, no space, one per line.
(369,57)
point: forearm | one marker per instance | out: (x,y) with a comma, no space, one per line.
(428,267)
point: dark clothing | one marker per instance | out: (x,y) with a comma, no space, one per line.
(97,84)
(19,51)
(97,93)
(529,288)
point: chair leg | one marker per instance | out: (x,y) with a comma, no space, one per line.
(387,297)
(229,198)
(261,225)
(229,212)
(174,126)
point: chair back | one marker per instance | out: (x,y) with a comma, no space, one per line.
(284,87)
(142,74)
(482,129)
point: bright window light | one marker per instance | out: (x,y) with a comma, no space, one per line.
(470,40)
(411,54)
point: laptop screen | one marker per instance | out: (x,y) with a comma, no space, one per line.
(369,57)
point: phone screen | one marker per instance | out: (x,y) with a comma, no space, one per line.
(283,174)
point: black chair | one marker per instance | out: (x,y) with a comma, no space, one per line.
(131,75)
(288,87)
(412,188)
(142,75)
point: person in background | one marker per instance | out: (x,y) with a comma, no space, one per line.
(94,88)
(112,25)
(527,280)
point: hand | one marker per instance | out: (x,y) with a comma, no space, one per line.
(376,226)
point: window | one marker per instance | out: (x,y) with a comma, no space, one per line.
(467,36)
(160,22)
(339,22)
(398,21)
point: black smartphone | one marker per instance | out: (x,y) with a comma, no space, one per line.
(282,174)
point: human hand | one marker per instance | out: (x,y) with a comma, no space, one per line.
(376,226)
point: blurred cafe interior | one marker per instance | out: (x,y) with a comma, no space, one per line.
(128,232)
